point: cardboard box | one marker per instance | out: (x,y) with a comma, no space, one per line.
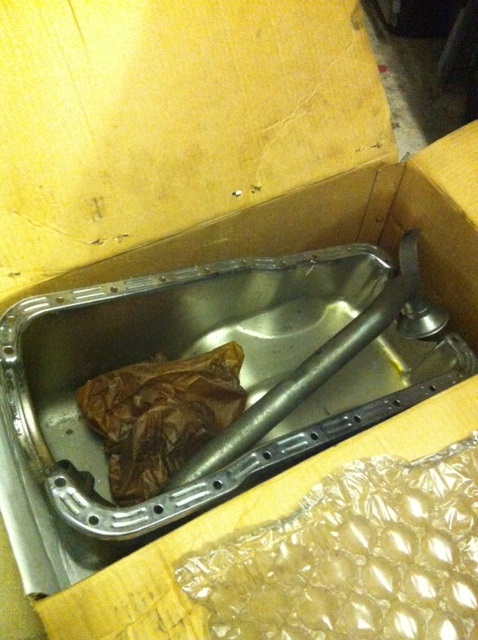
(148,136)
(130,124)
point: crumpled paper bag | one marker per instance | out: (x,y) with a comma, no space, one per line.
(155,415)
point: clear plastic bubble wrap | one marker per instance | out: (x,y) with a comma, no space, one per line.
(381,549)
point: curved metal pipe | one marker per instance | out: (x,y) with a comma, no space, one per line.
(420,318)
(285,396)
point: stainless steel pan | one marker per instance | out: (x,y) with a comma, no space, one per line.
(55,495)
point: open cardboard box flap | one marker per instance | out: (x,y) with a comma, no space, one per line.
(150,136)
(139,594)
(437,195)
(132,122)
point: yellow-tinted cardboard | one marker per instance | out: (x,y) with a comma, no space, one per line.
(438,196)
(128,126)
(139,594)
(127,122)
(327,213)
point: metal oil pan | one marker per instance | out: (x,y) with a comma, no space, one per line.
(54,493)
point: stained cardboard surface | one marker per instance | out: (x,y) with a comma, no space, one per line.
(328,213)
(125,125)
(146,136)
(128,128)
(437,195)
(130,122)
(452,165)
(139,595)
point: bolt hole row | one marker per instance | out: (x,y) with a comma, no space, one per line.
(93,520)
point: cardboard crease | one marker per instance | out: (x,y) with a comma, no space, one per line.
(273,138)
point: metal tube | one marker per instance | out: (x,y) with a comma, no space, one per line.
(285,396)
(420,318)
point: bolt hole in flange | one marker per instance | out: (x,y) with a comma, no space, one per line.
(93,520)
(267,455)
(158,509)
(60,482)
(8,350)
(217,484)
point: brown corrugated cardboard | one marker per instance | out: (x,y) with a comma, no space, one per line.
(139,597)
(147,603)
(438,196)
(331,212)
(128,128)
(131,122)
(148,136)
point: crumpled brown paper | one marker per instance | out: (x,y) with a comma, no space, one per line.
(155,415)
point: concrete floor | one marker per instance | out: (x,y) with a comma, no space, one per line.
(422,112)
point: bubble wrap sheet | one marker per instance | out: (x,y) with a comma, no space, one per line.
(381,549)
